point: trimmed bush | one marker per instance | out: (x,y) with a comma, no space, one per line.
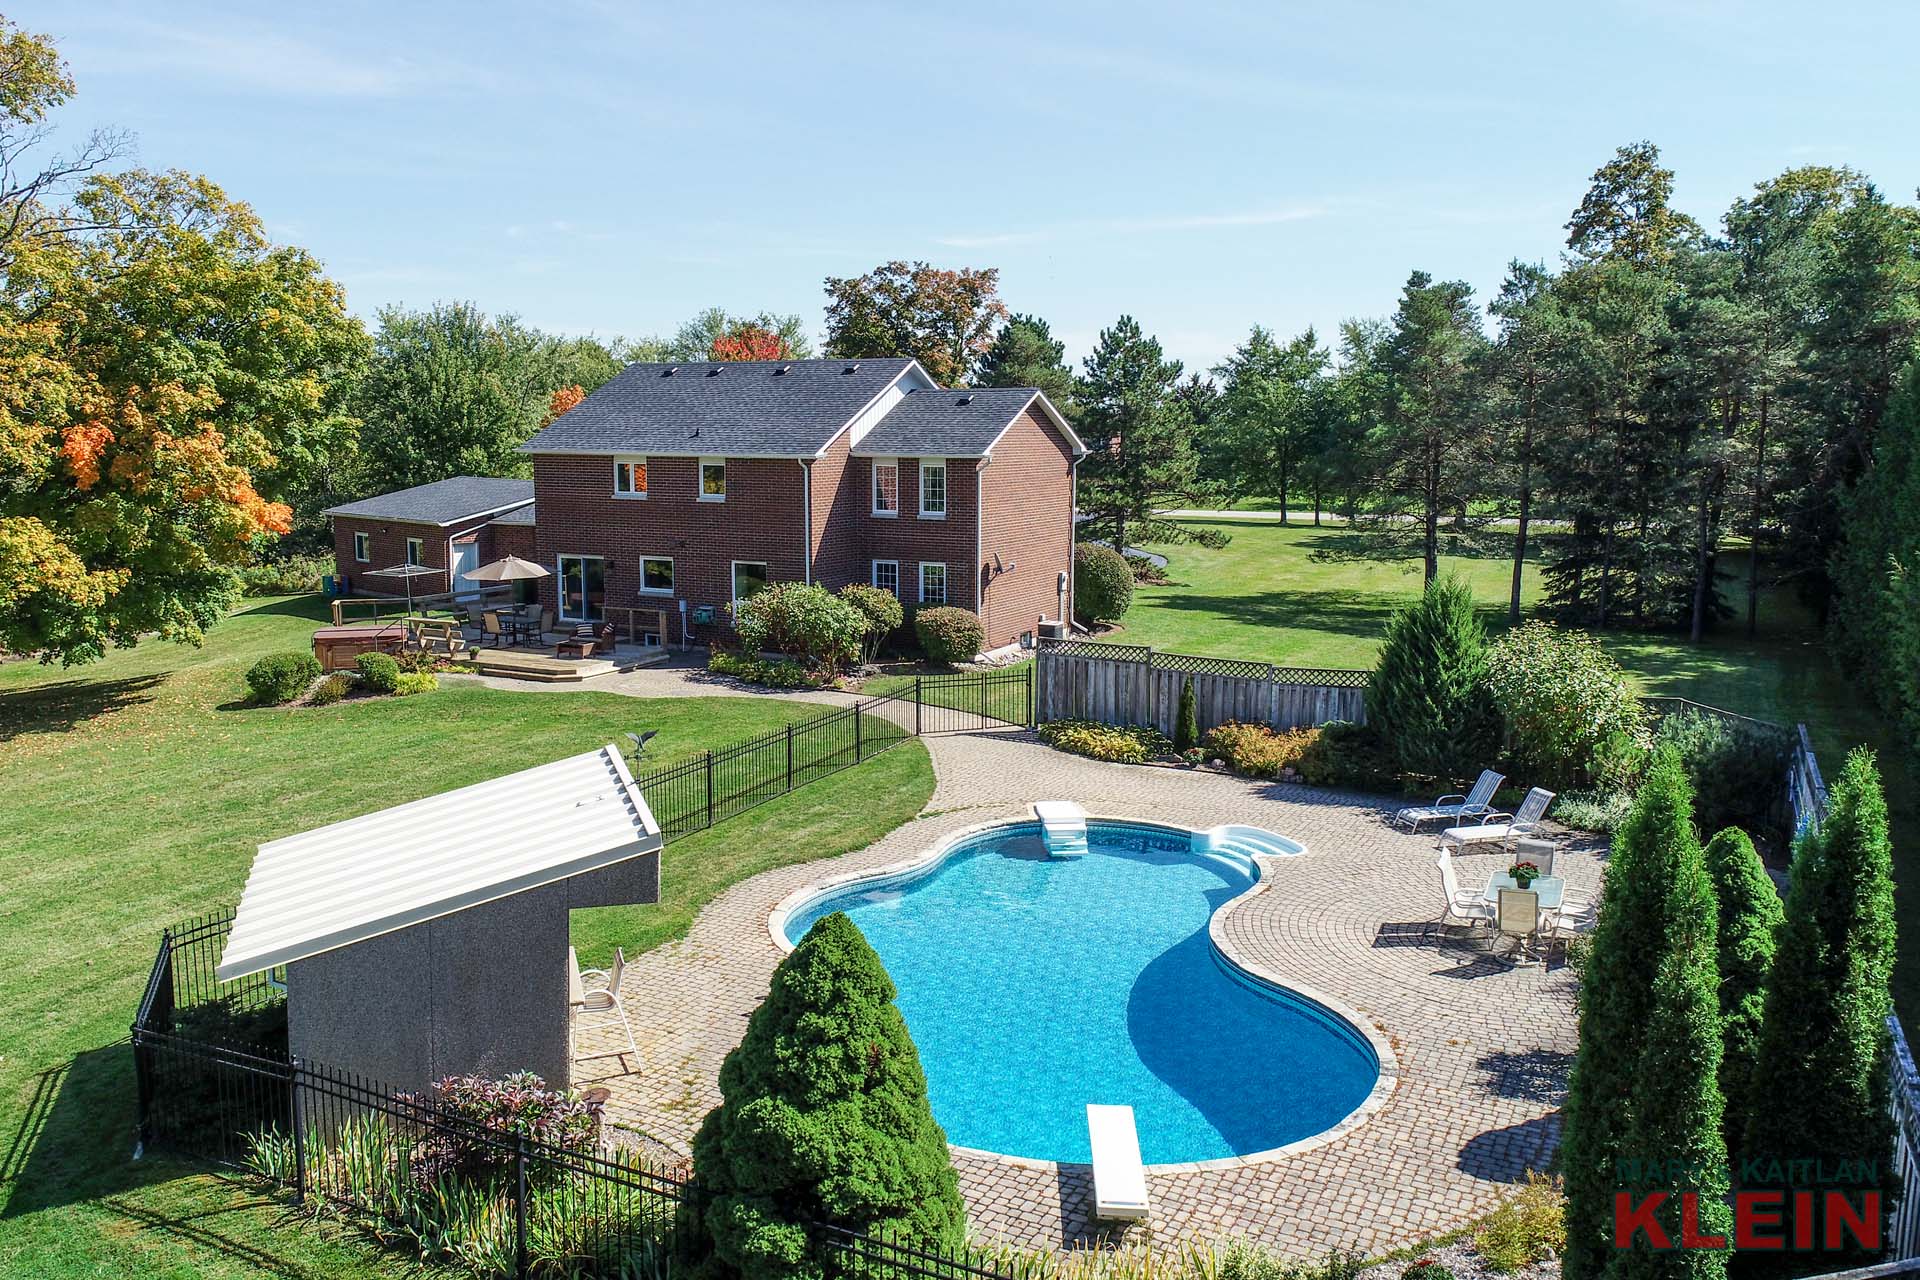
(1256,750)
(824,1118)
(330,690)
(1102,583)
(881,610)
(1116,744)
(1353,757)
(1427,697)
(773,675)
(949,634)
(1571,719)
(1735,768)
(412,682)
(805,622)
(281,677)
(1186,726)
(1750,915)
(1825,1052)
(381,671)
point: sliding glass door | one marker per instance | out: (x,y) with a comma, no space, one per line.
(583,588)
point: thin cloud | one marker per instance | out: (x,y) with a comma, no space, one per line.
(1134,226)
(262,61)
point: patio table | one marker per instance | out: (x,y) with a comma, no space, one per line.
(1550,889)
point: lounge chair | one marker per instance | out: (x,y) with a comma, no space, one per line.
(600,1008)
(1472,908)
(1454,808)
(1119,1175)
(1501,828)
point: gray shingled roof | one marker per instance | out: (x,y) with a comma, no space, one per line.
(519,515)
(945,424)
(741,410)
(442,502)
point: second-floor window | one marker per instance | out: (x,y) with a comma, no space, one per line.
(933,488)
(362,548)
(629,477)
(886,486)
(886,575)
(933,583)
(713,479)
(416,550)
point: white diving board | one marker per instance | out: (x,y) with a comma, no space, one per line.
(1063,826)
(1119,1176)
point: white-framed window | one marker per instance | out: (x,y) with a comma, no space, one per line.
(416,551)
(886,486)
(363,548)
(933,582)
(886,575)
(933,488)
(713,479)
(630,477)
(656,575)
(749,579)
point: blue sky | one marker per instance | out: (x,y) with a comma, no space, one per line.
(613,168)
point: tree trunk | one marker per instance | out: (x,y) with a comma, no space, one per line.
(1316,504)
(1606,574)
(1285,468)
(1753,520)
(1526,503)
(1433,515)
(1702,562)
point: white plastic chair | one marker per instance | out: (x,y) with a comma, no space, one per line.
(1454,808)
(601,1008)
(1473,908)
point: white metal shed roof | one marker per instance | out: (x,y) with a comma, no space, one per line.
(370,875)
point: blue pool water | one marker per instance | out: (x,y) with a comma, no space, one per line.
(1034,985)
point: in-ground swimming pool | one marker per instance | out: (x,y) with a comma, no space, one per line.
(1034,985)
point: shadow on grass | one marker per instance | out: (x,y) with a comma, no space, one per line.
(309,606)
(1342,612)
(65,704)
(190,1229)
(74,1141)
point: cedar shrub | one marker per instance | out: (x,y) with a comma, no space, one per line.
(1186,726)
(1427,696)
(1749,918)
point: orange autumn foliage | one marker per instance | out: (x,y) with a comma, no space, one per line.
(81,446)
(564,399)
(750,342)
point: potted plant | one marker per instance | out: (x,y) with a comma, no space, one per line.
(1524,873)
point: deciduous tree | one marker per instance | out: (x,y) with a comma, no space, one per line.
(945,319)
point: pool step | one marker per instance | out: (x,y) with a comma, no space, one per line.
(1063,827)
(1236,840)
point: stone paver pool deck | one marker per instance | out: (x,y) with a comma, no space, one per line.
(1481,1049)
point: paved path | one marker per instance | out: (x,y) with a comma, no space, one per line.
(1482,1049)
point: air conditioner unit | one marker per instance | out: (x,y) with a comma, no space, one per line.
(1051,630)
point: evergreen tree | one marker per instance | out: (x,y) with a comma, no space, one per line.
(1025,354)
(1427,696)
(1749,919)
(1271,408)
(1825,1050)
(1186,726)
(1651,964)
(823,1119)
(1526,393)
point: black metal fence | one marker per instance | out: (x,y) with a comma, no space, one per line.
(453,1191)
(693,794)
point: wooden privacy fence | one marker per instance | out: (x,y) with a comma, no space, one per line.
(1133,684)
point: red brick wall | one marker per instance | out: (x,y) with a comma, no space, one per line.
(761,520)
(389,548)
(1029,521)
(837,507)
(500,540)
(858,537)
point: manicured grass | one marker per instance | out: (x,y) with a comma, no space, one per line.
(133,793)
(1299,596)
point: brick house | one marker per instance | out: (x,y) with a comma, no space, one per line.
(449,525)
(674,490)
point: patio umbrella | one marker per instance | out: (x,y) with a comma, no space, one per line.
(508,569)
(407,573)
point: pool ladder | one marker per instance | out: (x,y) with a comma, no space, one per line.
(1063,827)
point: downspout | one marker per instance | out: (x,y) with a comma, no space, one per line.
(1073,534)
(980,579)
(806,516)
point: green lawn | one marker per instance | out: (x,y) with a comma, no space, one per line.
(133,793)
(1299,596)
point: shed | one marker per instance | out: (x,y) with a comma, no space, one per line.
(430,939)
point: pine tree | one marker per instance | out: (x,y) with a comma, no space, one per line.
(1825,1050)
(1427,696)
(1025,354)
(1186,726)
(823,1119)
(1749,919)
(1652,963)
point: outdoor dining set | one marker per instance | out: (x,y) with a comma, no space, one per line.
(1528,906)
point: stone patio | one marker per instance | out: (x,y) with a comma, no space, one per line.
(1482,1049)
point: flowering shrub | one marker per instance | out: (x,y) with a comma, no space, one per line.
(948,634)
(1116,744)
(518,1106)
(773,675)
(1570,716)
(1256,750)
(804,622)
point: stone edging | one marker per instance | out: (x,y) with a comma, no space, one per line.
(1388,1062)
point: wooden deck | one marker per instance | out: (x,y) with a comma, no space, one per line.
(537,664)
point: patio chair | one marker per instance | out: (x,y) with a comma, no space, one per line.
(490,623)
(1472,908)
(1454,808)
(602,1009)
(1518,917)
(1501,828)
(1577,913)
